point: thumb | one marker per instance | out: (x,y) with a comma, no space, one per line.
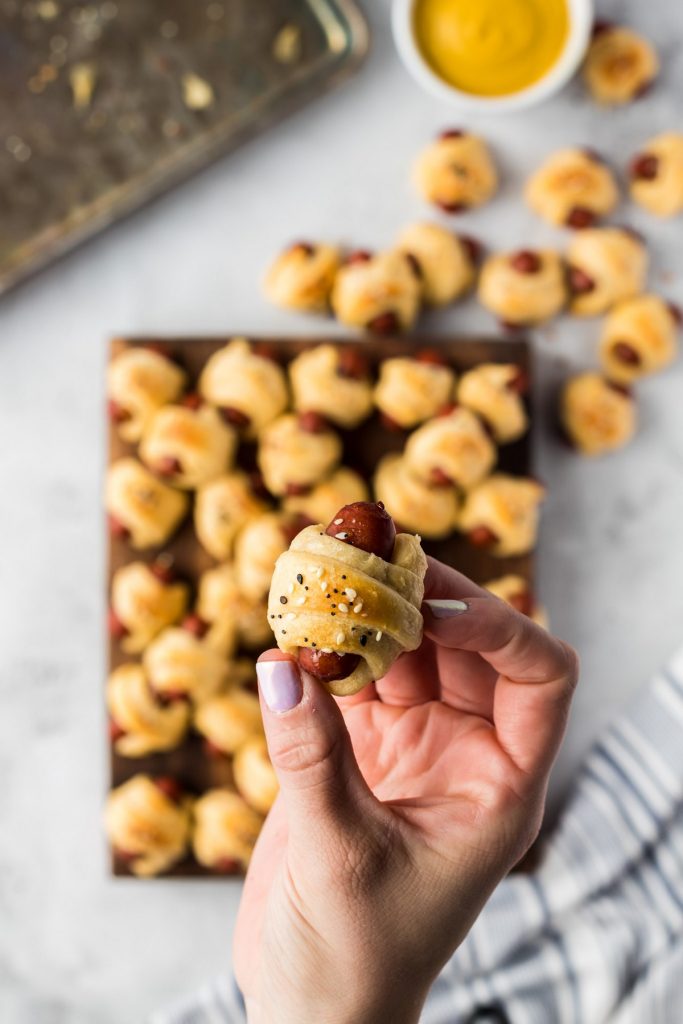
(311,750)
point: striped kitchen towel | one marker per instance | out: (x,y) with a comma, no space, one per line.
(595,933)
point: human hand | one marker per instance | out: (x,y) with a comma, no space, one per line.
(400,810)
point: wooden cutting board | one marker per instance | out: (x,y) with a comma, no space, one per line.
(363,447)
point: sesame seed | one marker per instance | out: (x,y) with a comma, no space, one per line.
(343,607)
(327,650)
(305,588)
(339,639)
(313,644)
(319,572)
(283,599)
(358,608)
(272,616)
(338,522)
(299,578)
(341,536)
(284,632)
(290,589)
(300,600)
(363,641)
(323,585)
(333,613)
(291,615)
(343,577)
(305,639)
(350,593)
(378,635)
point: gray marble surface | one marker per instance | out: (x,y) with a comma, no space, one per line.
(75,946)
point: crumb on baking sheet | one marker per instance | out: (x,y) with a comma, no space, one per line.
(197,93)
(287,45)
(82,79)
(47,10)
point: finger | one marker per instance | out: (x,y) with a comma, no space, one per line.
(320,781)
(413,679)
(537,673)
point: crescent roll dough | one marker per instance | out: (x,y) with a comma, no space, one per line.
(342,488)
(188,446)
(638,338)
(146,826)
(410,391)
(508,506)
(320,384)
(490,390)
(148,725)
(241,380)
(454,448)
(144,604)
(225,830)
(147,509)
(254,774)
(140,381)
(222,507)
(377,614)
(291,457)
(229,720)
(433,511)
(177,662)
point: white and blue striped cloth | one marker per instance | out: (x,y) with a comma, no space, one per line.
(595,933)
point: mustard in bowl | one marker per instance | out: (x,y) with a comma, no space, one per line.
(492,54)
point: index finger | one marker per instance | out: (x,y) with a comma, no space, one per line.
(537,673)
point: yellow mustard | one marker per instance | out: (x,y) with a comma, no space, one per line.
(491,47)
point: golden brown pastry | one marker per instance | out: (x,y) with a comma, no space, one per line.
(456,172)
(254,774)
(302,276)
(346,600)
(140,381)
(639,337)
(656,175)
(141,723)
(180,663)
(147,822)
(412,390)
(523,287)
(573,187)
(606,265)
(446,262)
(253,628)
(378,293)
(597,416)
(451,449)
(257,549)
(141,508)
(225,831)
(425,509)
(220,603)
(144,600)
(501,514)
(620,64)
(229,720)
(250,389)
(297,451)
(334,381)
(187,446)
(230,617)
(494,391)
(222,507)
(319,505)
(515,591)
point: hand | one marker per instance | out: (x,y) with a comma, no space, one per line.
(400,810)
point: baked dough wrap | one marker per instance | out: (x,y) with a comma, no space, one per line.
(356,603)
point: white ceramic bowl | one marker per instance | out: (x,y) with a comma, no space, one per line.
(581,23)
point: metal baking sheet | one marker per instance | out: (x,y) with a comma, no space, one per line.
(106,104)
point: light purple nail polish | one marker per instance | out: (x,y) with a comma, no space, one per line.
(443,609)
(280,685)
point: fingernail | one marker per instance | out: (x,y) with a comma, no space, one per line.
(446,609)
(280,685)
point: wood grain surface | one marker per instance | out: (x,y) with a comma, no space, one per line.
(363,447)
